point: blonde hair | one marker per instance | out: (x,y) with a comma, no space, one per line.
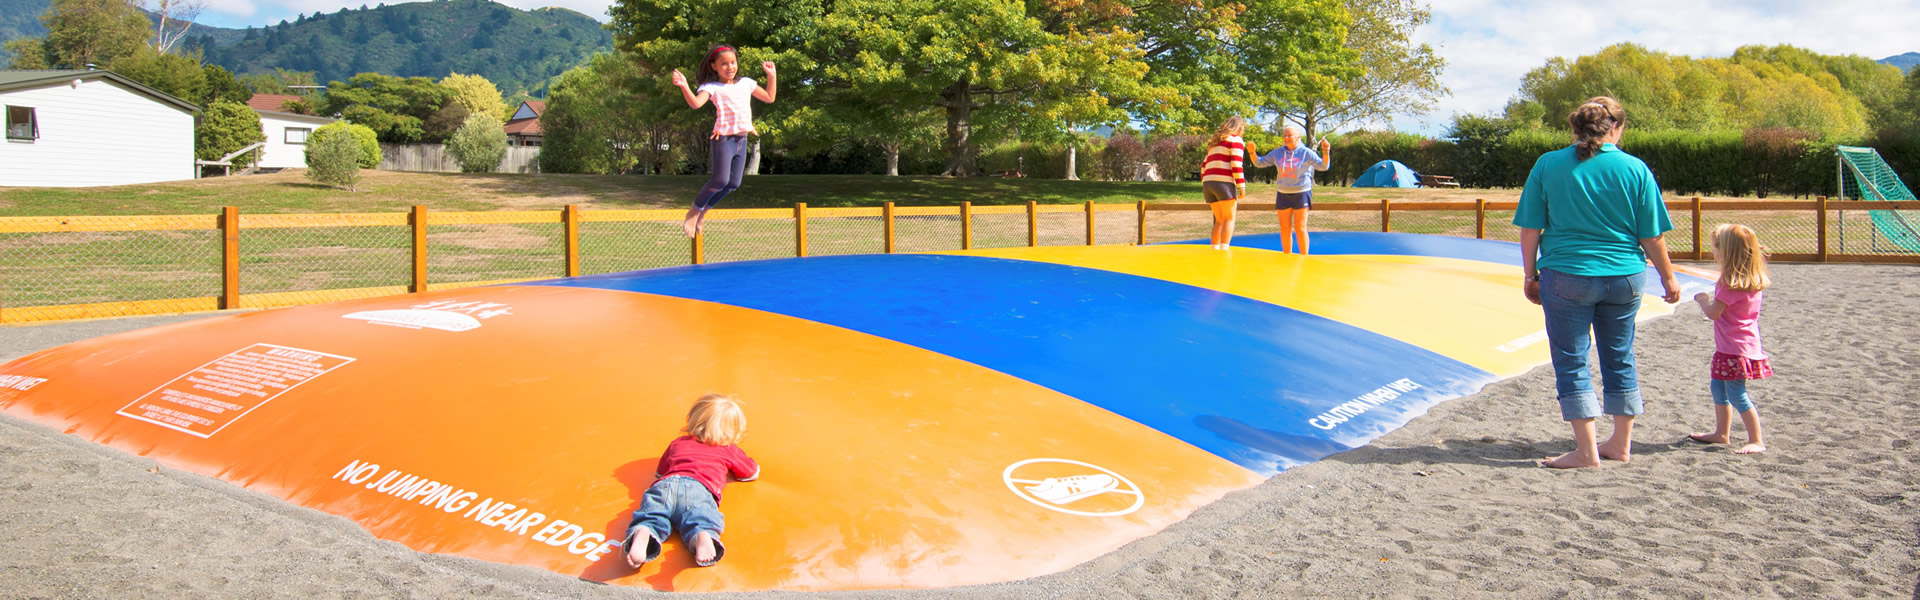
(716,420)
(1234,125)
(1743,261)
(1593,120)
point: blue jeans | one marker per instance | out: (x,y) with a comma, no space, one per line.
(677,502)
(1581,311)
(1732,393)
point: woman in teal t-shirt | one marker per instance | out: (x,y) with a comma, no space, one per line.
(1590,218)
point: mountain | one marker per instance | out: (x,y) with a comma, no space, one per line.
(518,50)
(1904,61)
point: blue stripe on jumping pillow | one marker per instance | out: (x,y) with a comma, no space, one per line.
(1262,385)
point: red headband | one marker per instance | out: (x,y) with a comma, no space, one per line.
(719,50)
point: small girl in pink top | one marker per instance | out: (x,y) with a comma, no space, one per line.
(718,80)
(1734,309)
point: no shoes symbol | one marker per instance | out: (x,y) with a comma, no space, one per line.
(1073,487)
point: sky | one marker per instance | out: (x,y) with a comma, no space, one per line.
(1490,44)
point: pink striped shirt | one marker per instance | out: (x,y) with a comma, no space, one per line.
(732,105)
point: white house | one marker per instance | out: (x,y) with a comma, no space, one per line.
(286,132)
(90,128)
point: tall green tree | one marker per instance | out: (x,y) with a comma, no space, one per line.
(476,94)
(595,123)
(396,108)
(222,85)
(1395,76)
(179,76)
(83,32)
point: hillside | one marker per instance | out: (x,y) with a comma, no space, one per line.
(518,50)
(1904,61)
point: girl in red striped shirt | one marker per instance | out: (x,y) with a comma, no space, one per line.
(1221,179)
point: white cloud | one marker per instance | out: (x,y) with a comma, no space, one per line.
(1490,44)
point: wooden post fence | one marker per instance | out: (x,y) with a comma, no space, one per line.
(886,215)
(1386,215)
(418,222)
(230,257)
(966,225)
(1033,224)
(1696,228)
(1089,222)
(1820,222)
(1141,231)
(571,219)
(1479,218)
(800,229)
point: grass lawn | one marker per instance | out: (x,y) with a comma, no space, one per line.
(391,191)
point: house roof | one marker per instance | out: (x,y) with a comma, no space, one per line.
(539,106)
(18,79)
(270,102)
(524,127)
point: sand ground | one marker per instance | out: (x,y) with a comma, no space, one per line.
(1450,506)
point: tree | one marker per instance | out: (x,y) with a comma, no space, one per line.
(595,123)
(178,76)
(476,94)
(479,145)
(226,127)
(396,108)
(334,160)
(175,18)
(1395,75)
(28,53)
(363,137)
(221,85)
(83,32)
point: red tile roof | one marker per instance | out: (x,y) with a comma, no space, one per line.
(539,106)
(524,127)
(272,102)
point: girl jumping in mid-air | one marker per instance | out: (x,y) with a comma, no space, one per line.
(1296,164)
(716,80)
(1734,309)
(691,474)
(1222,181)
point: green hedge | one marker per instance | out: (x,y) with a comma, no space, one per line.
(1757,162)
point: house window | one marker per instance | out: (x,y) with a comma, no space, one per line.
(21,125)
(297,135)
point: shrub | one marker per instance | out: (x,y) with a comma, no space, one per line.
(363,137)
(333,160)
(479,144)
(225,127)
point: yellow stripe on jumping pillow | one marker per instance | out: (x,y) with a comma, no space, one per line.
(1470,311)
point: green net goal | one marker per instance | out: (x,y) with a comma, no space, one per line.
(1865,176)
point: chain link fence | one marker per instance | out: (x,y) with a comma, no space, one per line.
(55,268)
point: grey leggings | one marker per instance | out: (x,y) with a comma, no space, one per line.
(729,162)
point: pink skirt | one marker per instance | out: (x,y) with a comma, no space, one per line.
(1730,367)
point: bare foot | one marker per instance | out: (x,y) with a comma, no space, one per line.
(1708,438)
(1751,449)
(1624,452)
(638,549)
(1570,460)
(689,226)
(703,548)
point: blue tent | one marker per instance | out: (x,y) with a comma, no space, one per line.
(1388,173)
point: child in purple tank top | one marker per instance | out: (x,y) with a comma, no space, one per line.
(1734,309)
